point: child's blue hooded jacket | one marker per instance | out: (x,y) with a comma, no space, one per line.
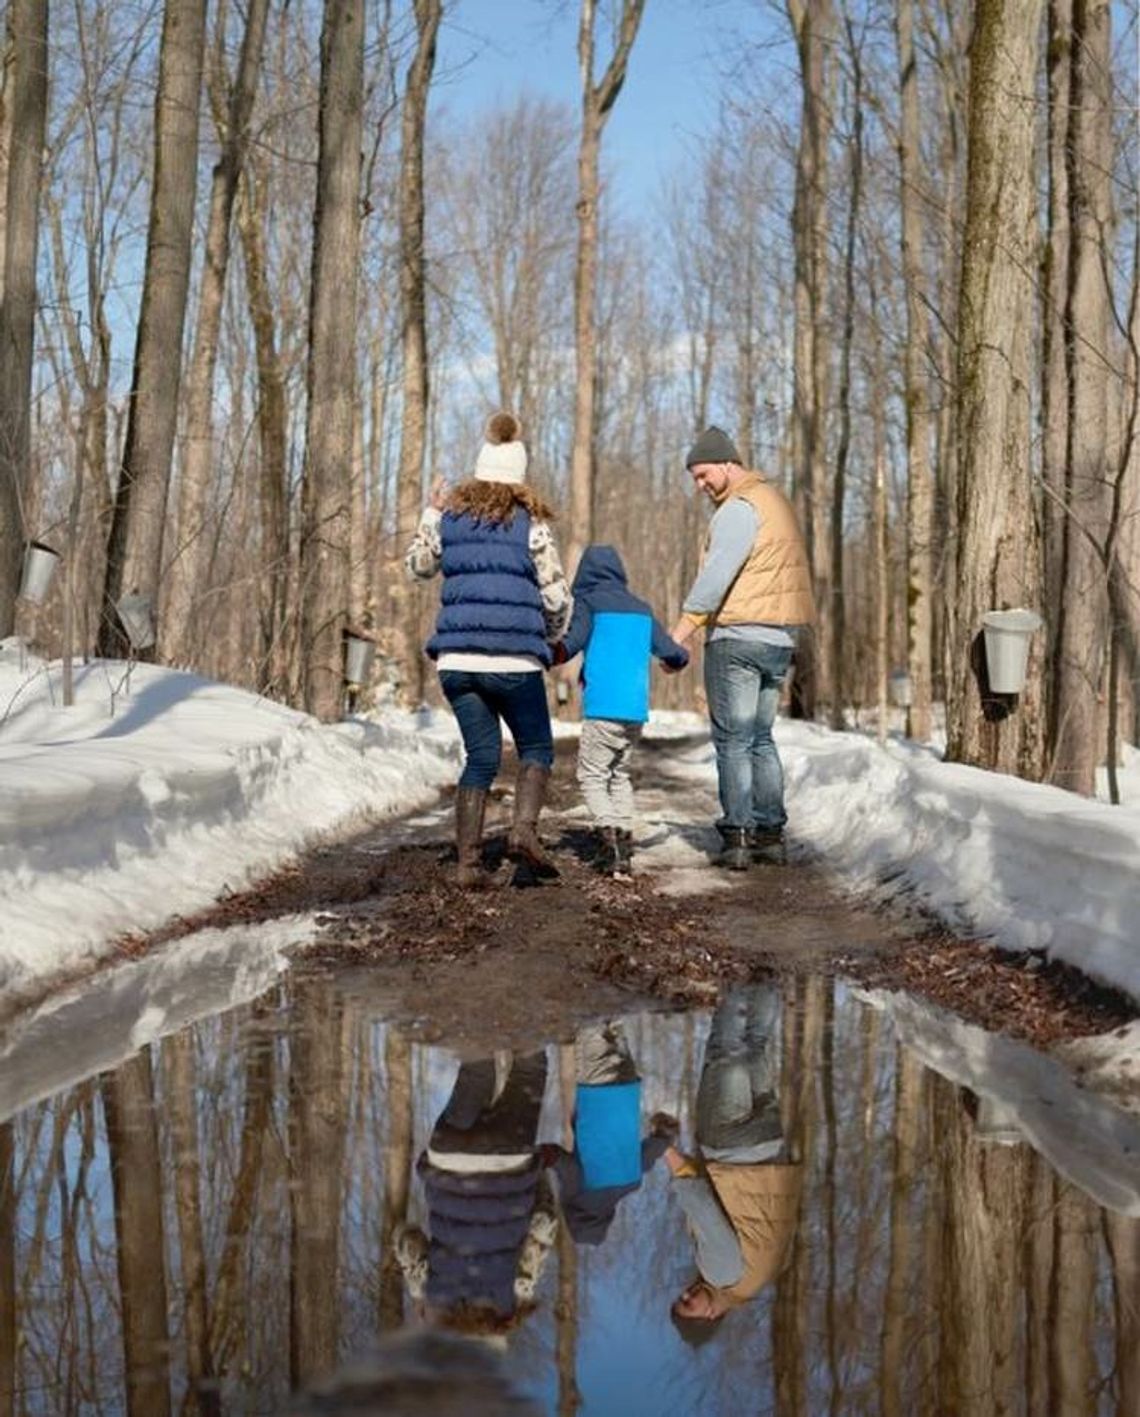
(619,634)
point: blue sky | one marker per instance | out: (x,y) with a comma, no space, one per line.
(490,50)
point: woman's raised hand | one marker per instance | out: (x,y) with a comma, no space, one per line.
(438,494)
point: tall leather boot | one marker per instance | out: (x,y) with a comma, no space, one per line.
(470,807)
(523,843)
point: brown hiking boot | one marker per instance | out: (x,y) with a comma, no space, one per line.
(470,806)
(523,843)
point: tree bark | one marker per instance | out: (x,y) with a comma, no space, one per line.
(811,20)
(25,113)
(1124,1249)
(326,491)
(999,555)
(398,1156)
(8,1320)
(134,551)
(920,489)
(597,101)
(413,322)
(233,109)
(1082,611)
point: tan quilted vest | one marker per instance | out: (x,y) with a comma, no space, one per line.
(774,584)
(762,1202)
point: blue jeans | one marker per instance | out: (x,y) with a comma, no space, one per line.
(479,701)
(742,683)
(737,1106)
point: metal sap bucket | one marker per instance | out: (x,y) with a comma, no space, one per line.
(898,689)
(359,656)
(136,615)
(1007,635)
(40,562)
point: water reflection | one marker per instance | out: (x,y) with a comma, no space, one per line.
(235,1211)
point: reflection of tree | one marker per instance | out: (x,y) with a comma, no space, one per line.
(227,1332)
(7,1272)
(181,1096)
(1072,1302)
(317,1123)
(1123,1235)
(984,1220)
(397,1173)
(566,1306)
(898,1298)
(136,1175)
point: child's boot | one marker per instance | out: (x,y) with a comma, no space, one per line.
(624,853)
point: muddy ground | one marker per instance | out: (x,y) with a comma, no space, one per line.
(520,959)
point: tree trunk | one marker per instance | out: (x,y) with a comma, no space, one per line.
(998,559)
(1124,1249)
(1082,613)
(136,1175)
(1072,1360)
(810,22)
(8,1321)
(25,114)
(273,673)
(398,1156)
(834,625)
(134,551)
(597,101)
(326,493)
(920,489)
(406,598)
(188,567)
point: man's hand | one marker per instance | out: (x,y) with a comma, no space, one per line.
(682,631)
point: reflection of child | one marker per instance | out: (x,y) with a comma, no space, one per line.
(609,1156)
(739,1193)
(491,1217)
(619,636)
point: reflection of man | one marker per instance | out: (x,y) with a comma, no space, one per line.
(609,1156)
(739,1193)
(753,596)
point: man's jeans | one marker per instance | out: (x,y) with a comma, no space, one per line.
(479,701)
(738,1111)
(742,683)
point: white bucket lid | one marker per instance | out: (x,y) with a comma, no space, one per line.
(1016,622)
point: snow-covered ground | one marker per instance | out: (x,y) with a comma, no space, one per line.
(150,798)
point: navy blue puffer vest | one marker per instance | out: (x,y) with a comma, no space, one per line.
(491,602)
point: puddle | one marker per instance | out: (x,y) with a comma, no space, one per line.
(934,1220)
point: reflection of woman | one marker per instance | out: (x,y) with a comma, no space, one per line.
(490,1212)
(505,602)
(739,1192)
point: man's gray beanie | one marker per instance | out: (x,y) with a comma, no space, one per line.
(713,445)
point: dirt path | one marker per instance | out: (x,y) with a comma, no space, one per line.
(519,959)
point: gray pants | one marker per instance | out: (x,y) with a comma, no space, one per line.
(603,770)
(738,1111)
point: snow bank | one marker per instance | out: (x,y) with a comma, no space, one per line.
(152,795)
(1027,866)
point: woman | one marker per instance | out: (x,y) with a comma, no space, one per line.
(505,602)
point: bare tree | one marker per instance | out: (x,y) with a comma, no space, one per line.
(326,496)
(233,106)
(598,98)
(811,21)
(25,113)
(920,490)
(1082,607)
(999,557)
(8,1320)
(134,553)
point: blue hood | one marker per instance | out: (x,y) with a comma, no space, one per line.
(599,566)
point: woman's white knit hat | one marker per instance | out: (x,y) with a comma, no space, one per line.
(502,458)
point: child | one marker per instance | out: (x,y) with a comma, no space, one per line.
(618,633)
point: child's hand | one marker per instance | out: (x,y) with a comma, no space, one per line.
(663,1124)
(672,668)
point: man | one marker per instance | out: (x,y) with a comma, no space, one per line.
(739,1193)
(753,596)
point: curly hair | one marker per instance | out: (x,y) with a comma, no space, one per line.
(497,501)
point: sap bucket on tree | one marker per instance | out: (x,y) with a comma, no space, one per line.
(1007,636)
(40,562)
(136,613)
(359,654)
(898,689)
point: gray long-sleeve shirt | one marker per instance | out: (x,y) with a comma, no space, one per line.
(732,535)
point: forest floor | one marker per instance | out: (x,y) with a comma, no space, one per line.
(520,959)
